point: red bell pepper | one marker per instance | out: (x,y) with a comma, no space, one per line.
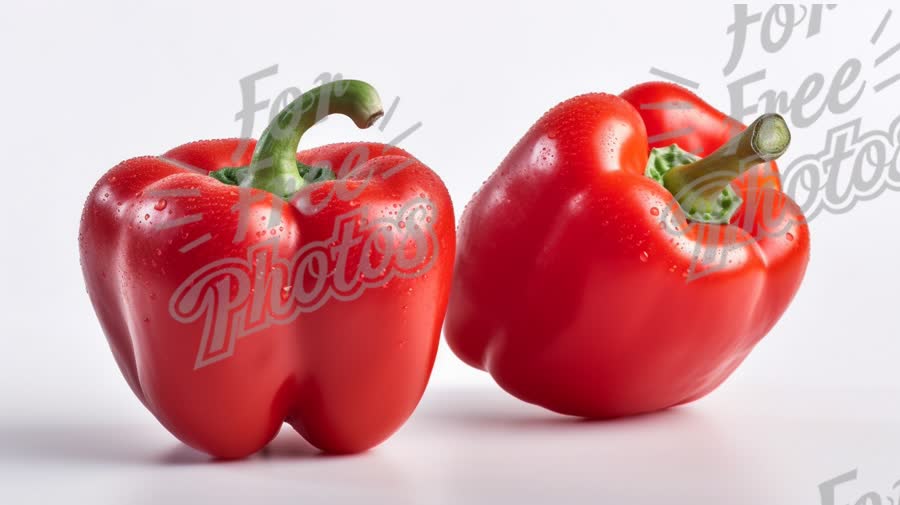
(242,291)
(599,278)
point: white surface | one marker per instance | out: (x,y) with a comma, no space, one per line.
(738,447)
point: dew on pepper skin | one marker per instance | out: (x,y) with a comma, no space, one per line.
(146,217)
(160,205)
(789,237)
(654,211)
(645,256)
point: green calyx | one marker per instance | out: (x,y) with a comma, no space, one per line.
(717,211)
(274,167)
(238,176)
(702,185)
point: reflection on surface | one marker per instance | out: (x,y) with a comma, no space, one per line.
(479,446)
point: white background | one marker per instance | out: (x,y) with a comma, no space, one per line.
(87,84)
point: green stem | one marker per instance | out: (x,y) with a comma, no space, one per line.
(274,166)
(697,185)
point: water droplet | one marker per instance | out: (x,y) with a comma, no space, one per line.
(146,217)
(654,211)
(645,256)
(160,205)
(789,237)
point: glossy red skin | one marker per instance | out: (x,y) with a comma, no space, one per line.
(693,124)
(568,291)
(345,376)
